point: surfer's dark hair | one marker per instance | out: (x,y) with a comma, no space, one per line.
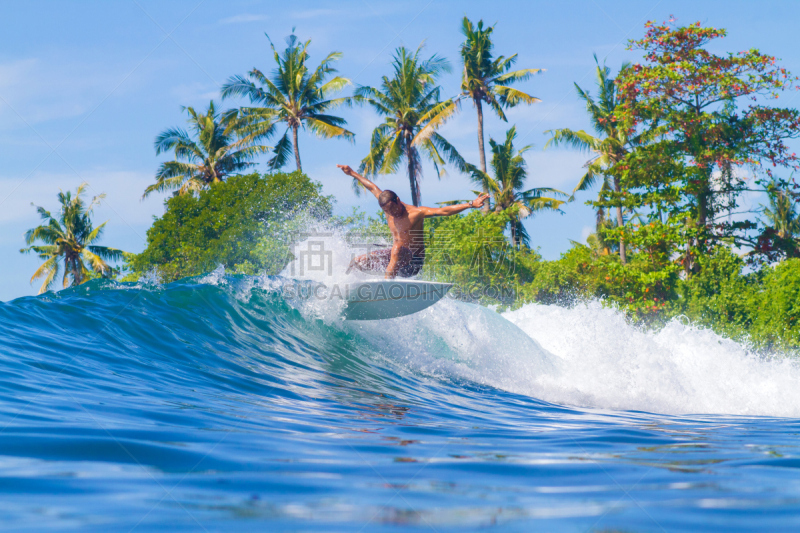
(387,197)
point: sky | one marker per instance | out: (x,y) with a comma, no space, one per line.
(85,87)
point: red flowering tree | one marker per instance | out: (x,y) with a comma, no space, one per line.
(714,128)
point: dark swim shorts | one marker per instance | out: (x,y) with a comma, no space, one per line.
(409,265)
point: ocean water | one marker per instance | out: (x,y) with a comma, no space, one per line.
(227,403)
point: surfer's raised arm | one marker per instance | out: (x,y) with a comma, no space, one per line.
(371,187)
(453,209)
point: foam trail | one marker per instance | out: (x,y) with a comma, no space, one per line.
(588,356)
(322,257)
(680,369)
(456,339)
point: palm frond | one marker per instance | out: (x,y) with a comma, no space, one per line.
(449,151)
(49,270)
(325,127)
(435,118)
(282,151)
(518,75)
(509,96)
(334,85)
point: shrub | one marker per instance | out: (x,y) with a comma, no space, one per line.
(244,224)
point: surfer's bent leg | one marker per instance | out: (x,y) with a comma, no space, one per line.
(408,264)
(412,267)
(373,262)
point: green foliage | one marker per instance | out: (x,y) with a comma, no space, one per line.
(778,311)
(486,79)
(720,296)
(705,114)
(610,146)
(68,243)
(295,96)
(473,252)
(225,143)
(641,288)
(510,171)
(245,224)
(412,111)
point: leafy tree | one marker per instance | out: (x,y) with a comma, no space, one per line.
(510,173)
(609,147)
(720,295)
(776,321)
(409,103)
(223,144)
(68,243)
(295,96)
(245,224)
(707,110)
(472,252)
(486,79)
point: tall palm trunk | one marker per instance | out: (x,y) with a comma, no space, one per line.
(622,257)
(296,148)
(75,266)
(412,175)
(481,148)
(514,235)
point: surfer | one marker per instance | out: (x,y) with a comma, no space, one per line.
(407,254)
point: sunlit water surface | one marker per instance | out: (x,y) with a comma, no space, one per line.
(221,404)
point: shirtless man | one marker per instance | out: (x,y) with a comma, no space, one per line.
(407,254)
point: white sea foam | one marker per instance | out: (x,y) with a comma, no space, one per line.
(608,363)
(588,355)
(322,256)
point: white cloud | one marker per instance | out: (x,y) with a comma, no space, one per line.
(312,13)
(585,232)
(33,91)
(123,191)
(196,93)
(243,18)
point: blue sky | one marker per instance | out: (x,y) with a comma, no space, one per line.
(85,87)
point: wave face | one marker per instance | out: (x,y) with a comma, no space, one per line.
(230,403)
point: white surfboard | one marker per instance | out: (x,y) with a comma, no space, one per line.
(376,300)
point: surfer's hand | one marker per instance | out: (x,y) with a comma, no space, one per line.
(347,170)
(478,202)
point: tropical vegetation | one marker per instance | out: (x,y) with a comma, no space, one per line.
(608,148)
(410,104)
(678,141)
(245,225)
(488,79)
(295,96)
(67,243)
(223,143)
(510,173)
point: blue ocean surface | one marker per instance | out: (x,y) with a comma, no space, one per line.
(225,403)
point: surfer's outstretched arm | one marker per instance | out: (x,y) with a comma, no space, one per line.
(371,187)
(453,209)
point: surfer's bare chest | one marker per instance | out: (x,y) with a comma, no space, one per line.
(407,231)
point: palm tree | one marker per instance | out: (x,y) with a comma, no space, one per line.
(412,112)
(68,239)
(294,96)
(223,144)
(510,173)
(781,213)
(485,79)
(609,147)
